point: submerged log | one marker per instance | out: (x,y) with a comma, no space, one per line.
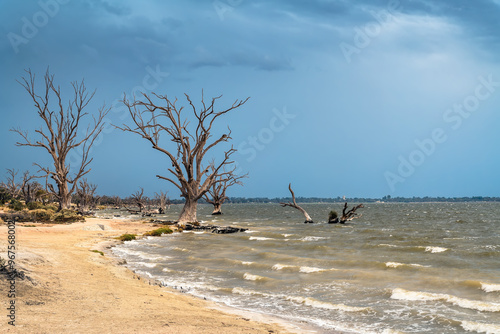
(296,206)
(214,228)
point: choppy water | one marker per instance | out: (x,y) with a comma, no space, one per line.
(401,268)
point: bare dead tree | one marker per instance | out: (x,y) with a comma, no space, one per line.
(294,205)
(139,199)
(163,202)
(151,119)
(12,187)
(117,201)
(60,133)
(216,194)
(86,196)
(351,214)
(29,188)
(347,215)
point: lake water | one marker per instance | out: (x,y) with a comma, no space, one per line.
(401,268)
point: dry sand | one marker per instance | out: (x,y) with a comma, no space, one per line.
(75,290)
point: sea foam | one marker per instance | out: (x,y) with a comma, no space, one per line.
(251,277)
(480,328)
(319,304)
(432,249)
(401,294)
(490,287)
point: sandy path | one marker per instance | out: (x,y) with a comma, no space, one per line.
(79,291)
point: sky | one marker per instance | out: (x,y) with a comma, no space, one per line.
(347,98)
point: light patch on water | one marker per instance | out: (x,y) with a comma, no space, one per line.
(432,249)
(260,238)
(312,238)
(397,265)
(286,235)
(251,277)
(480,327)
(279,266)
(308,270)
(319,304)
(246,263)
(401,294)
(143,264)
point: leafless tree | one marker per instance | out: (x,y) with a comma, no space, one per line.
(29,188)
(60,133)
(216,194)
(139,199)
(156,115)
(351,214)
(12,187)
(294,205)
(86,196)
(163,202)
(117,201)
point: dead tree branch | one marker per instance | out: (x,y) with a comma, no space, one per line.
(294,205)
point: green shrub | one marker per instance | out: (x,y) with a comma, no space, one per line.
(52,207)
(34,205)
(127,237)
(16,205)
(41,215)
(66,216)
(158,232)
(96,251)
(332,215)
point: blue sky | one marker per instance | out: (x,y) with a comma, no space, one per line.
(355,98)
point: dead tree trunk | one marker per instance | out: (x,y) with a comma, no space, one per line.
(347,215)
(294,205)
(60,134)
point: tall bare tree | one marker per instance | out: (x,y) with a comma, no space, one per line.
(294,205)
(139,199)
(86,195)
(12,187)
(60,133)
(216,194)
(163,202)
(155,115)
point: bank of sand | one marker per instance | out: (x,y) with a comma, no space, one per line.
(75,290)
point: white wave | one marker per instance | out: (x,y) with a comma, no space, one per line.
(279,266)
(490,287)
(401,294)
(319,304)
(260,238)
(311,270)
(311,238)
(397,264)
(393,264)
(387,245)
(166,270)
(142,255)
(480,328)
(251,231)
(432,249)
(198,232)
(251,277)
(286,235)
(144,273)
(144,264)
(246,263)
(246,292)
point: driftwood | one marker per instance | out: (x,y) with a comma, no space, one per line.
(214,228)
(296,206)
(347,215)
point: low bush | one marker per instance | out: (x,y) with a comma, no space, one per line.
(35,205)
(41,215)
(16,205)
(332,215)
(158,232)
(67,216)
(126,237)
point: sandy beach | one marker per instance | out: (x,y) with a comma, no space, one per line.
(73,289)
